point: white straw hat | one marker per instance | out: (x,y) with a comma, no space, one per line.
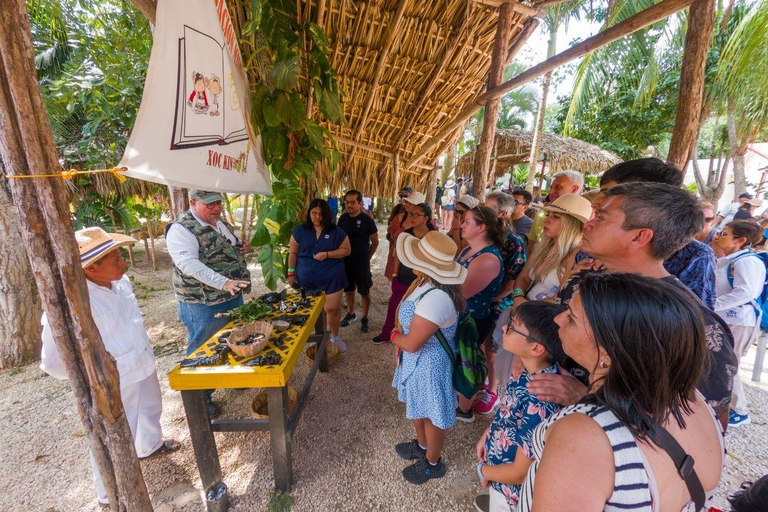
(573,205)
(432,255)
(468,201)
(415,198)
(449,183)
(94,243)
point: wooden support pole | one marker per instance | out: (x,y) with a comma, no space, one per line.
(450,46)
(658,12)
(396,173)
(701,22)
(27,148)
(495,75)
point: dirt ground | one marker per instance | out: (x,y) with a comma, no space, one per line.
(343,456)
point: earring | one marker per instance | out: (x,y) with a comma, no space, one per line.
(603,364)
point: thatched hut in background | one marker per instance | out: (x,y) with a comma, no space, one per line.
(512,147)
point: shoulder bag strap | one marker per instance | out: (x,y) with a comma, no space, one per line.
(446,347)
(684,464)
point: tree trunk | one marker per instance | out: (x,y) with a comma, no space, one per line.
(179,200)
(20,306)
(737,152)
(27,148)
(537,129)
(432,187)
(701,21)
(495,76)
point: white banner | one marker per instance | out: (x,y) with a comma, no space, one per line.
(193,128)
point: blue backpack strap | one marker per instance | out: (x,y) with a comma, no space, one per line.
(729,272)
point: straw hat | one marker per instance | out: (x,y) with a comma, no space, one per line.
(573,205)
(415,198)
(755,202)
(468,201)
(450,184)
(95,243)
(433,255)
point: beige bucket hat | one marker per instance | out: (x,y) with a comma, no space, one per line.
(573,205)
(415,198)
(432,255)
(94,243)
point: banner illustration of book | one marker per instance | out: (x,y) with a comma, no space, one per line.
(204,115)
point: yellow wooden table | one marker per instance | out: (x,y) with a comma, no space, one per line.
(234,374)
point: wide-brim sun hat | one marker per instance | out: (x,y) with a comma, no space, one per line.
(415,198)
(573,205)
(432,255)
(755,202)
(95,243)
(468,201)
(450,183)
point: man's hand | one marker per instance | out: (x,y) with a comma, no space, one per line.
(246,249)
(235,287)
(562,388)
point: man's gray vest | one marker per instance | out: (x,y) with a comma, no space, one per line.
(216,253)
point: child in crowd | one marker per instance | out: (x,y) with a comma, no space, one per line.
(504,450)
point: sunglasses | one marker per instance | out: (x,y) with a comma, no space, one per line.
(723,233)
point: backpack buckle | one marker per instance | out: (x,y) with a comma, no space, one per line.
(686,467)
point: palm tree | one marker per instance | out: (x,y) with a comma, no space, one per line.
(556,16)
(736,82)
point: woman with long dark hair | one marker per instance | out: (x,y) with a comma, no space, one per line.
(316,261)
(402,275)
(644,342)
(482,230)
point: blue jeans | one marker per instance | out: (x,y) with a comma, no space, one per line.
(200,322)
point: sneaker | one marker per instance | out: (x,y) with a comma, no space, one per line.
(364,327)
(338,341)
(410,450)
(466,417)
(736,420)
(483,502)
(349,318)
(378,340)
(487,403)
(422,471)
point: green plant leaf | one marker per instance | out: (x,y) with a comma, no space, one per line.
(260,237)
(256,11)
(315,134)
(285,73)
(269,110)
(272,266)
(330,105)
(318,36)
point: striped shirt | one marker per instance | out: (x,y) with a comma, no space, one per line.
(632,490)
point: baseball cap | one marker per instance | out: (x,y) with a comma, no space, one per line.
(205,196)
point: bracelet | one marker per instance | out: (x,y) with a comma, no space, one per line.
(291,270)
(327,255)
(394,274)
(517,292)
(480,471)
(393,336)
(291,274)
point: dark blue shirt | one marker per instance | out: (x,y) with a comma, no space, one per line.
(307,266)
(694,265)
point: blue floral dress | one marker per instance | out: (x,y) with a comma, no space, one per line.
(518,415)
(424,379)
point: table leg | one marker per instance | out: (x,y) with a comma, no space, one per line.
(201,434)
(277,399)
(322,345)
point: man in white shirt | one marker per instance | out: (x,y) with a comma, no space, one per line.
(210,274)
(117,316)
(727,214)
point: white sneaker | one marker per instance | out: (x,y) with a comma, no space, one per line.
(338,341)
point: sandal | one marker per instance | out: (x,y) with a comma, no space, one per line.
(168,446)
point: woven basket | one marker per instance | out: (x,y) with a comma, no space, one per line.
(331,351)
(243,332)
(260,407)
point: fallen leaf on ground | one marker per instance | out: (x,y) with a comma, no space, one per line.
(79,433)
(40,457)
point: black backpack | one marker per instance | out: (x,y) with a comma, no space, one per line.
(752,497)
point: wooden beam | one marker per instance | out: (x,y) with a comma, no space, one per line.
(530,26)
(632,24)
(495,76)
(701,22)
(396,181)
(147,7)
(450,46)
(367,147)
(517,7)
(550,3)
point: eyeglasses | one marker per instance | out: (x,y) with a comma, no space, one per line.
(723,233)
(350,202)
(418,215)
(511,327)
(213,205)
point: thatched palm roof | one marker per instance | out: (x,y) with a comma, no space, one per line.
(514,146)
(407,68)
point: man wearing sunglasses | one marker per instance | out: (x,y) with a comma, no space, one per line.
(707,233)
(210,274)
